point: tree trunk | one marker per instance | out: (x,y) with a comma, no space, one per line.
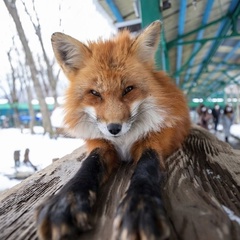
(11,6)
(25,80)
(30,109)
(51,79)
(201,193)
(13,93)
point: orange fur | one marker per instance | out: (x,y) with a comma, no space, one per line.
(110,157)
(109,68)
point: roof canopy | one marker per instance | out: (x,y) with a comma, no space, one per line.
(200,45)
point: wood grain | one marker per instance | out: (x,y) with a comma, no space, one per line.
(202,183)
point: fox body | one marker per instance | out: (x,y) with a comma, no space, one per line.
(117,97)
(120,104)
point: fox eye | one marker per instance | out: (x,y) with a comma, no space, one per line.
(95,93)
(127,90)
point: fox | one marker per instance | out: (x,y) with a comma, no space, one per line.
(125,110)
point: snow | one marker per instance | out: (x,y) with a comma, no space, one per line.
(6,183)
(231,214)
(42,151)
(57,117)
(235,130)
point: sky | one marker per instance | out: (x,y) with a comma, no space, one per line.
(78,18)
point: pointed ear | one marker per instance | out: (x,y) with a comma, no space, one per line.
(69,52)
(146,43)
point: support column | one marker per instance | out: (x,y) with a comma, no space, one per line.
(150,12)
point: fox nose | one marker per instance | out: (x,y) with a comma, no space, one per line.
(114,128)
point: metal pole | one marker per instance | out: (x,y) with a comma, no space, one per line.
(150,12)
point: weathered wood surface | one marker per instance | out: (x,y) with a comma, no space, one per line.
(202,184)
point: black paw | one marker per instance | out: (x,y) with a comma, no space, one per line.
(65,215)
(140,217)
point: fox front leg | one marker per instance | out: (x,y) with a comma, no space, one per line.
(67,213)
(140,215)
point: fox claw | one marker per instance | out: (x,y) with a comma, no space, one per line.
(63,216)
(138,219)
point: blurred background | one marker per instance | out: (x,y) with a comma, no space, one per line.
(199,49)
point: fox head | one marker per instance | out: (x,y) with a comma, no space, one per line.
(111,84)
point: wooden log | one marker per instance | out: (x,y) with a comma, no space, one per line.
(201,193)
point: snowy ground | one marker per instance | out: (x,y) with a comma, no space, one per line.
(235,130)
(42,151)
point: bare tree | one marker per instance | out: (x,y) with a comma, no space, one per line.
(24,78)
(37,27)
(43,75)
(30,106)
(13,92)
(11,6)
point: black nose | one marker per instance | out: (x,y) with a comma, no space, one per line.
(114,128)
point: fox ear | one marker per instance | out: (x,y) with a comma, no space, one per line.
(146,43)
(69,52)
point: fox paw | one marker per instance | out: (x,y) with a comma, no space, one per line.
(64,215)
(140,217)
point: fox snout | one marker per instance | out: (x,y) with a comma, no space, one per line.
(114,128)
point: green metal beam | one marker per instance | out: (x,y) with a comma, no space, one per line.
(186,64)
(235,65)
(232,78)
(220,84)
(209,71)
(205,40)
(202,41)
(221,68)
(150,12)
(174,42)
(202,87)
(165,57)
(223,30)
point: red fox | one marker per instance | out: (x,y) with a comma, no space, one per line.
(126,110)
